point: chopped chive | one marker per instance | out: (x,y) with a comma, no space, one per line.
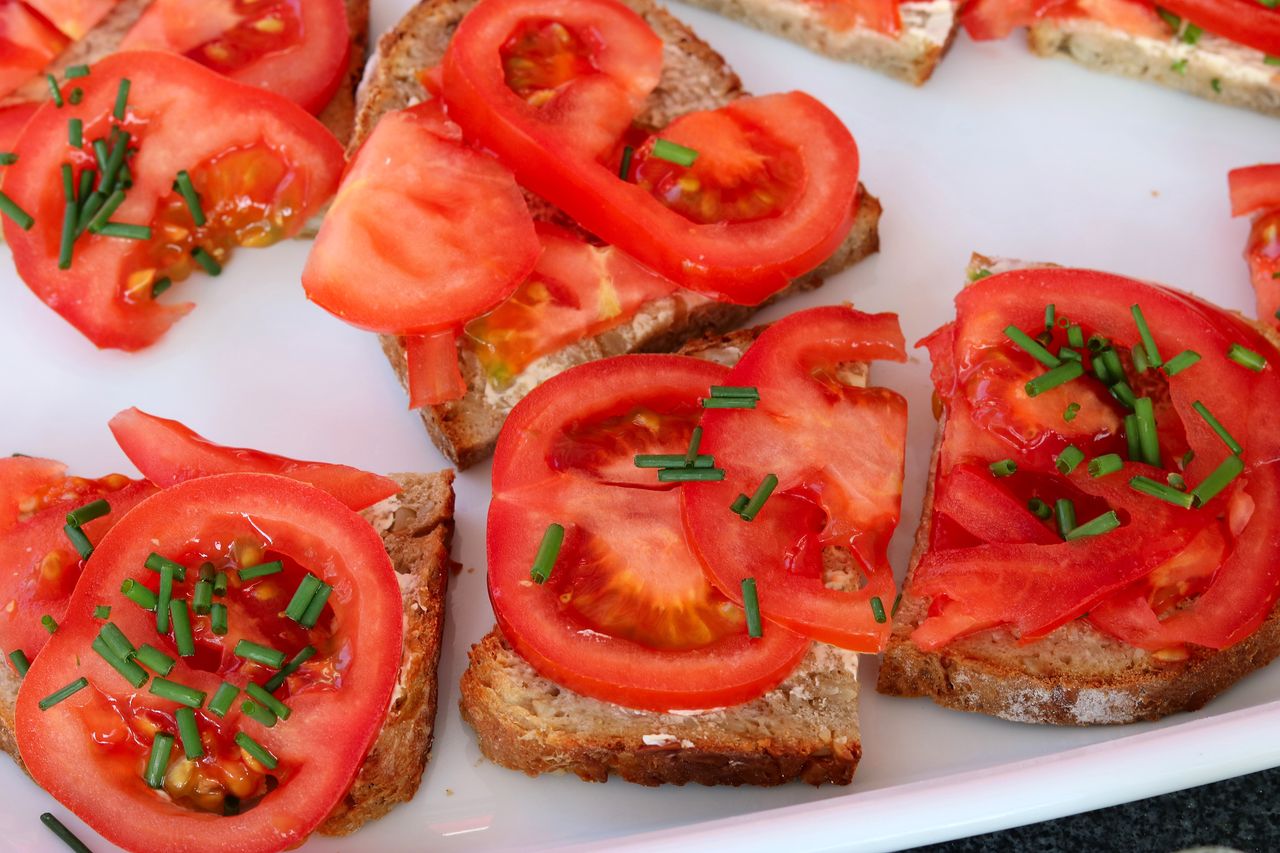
(163,599)
(182,636)
(690,475)
(207,572)
(1050,316)
(979,275)
(88,210)
(257,713)
(65,835)
(1102,370)
(115,638)
(75,95)
(261,570)
(75,133)
(729,402)
(1065,513)
(1140,361)
(1101,466)
(751,604)
(877,610)
(126,231)
(61,694)
(54,91)
(20,217)
(1097,343)
(548,550)
(1169,18)
(1156,489)
(1124,395)
(316,606)
(624,171)
(897,600)
(190,196)
(1115,367)
(301,597)
(156,563)
(673,152)
(128,669)
(1221,477)
(68,183)
(256,751)
(739,504)
(1216,83)
(672,460)
(1246,357)
(1179,67)
(1104,523)
(79,540)
(1148,342)
(266,700)
(1217,427)
(110,173)
(202,598)
(1069,414)
(748,391)
(161,286)
(259,653)
(50,624)
(1270,60)
(154,659)
(66,245)
(88,512)
(158,760)
(1148,437)
(695,439)
(220,704)
(86,187)
(1181,362)
(207,261)
(189,732)
(175,692)
(1004,468)
(18,658)
(1060,375)
(1131,438)
(104,212)
(218,619)
(1065,353)
(1067,461)
(220,583)
(1075,336)
(8,158)
(122,99)
(1032,346)
(1039,508)
(766,487)
(274,683)
(138,594)
(1177,482)
(76,71)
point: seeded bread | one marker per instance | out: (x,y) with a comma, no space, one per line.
(694,77)
(927,30)
(1212,68)
(805,728)
(1077,675)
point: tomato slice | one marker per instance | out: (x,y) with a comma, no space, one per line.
(167,453)
(985,20)
(39,566)
(12,120)
(791,136)
(222,800)
(879,15)
(298,50)
(434,374)
(260,165)
(424,235)
(74,18)
(1263,255)
(849,499)
(27,44)
(1254,189)
(627,614)
(972,499)
(1247,22)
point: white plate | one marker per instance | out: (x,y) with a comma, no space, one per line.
(1001,152)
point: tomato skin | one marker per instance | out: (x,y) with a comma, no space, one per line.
(74,18)
(879,15)
(305,524)
(986,20)
(167,453)
(12,120)
(537,480)
(174,99)
(1254,189)
(432,363)
(1244,21)
(27,45)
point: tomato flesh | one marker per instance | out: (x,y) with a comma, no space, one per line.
(541,57)
(1263,255)
(27,44)
(984,20)
(879,15)
(1246,22)
(74,18)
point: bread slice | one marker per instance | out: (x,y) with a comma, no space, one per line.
(805,728)
(694,77)
(1213,68)
(416,527)
(928,26)
(1077,675)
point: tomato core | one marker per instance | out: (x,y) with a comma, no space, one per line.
(543,56)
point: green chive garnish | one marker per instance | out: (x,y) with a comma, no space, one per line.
(751,604)
(624,171)
(180,693)
(1156,489)
(274,683)
(54,91)
(1131,438)
(257,713)
(1148,437)
(1140,361)
(695,439)
(161,286)
(672,460)
(79,541)
(690,475)
(125,231)
(1104,523)
(1246,357)
(1039,508)
(316,606)
(1032,347)
(66,245)
(129,671)
(739,504)
(1104,465)
(258,653)
(158,761)
(673,152)
(10,208)
(979,275)
(261,570)
(156,563)
(256,750)
(1179,67)
(75,133)
(190,196)
(1221,477)
(220,583)
(1097,343)
(76,71)
(1217,427)
(8,158)
(189,732)
(1075,336)
(154,659)
(111,170)
(1181,362)
(138,594)
(1115,367)
(1059,375)
(202,598)
(122,99)
(1216,83)
(1124,395)
(65,835)
(88,512)
(218,619)
(59,695)
(1177,482)
(1065,353)
(1271,60)
(747,391)
(182,637)
(116,639)
(1148,342)
(1069,414)
(18,658)
(207,261)
(729,402)
(266,700)
(1050,316)
(1070,457)
(897,600)
(766,487)
(68,183)
(1169,18)
(1065,513)
(50,624)
(1004,468)
(89,210)
(75,95)
(163,599)
(547,553)
(877,609)
(220,704)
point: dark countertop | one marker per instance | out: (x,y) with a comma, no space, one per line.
(1241,813)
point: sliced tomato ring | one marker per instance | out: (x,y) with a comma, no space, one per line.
(432,364)
(260,165)
(984,20)
(627,614)
(971,498)
(1246,22)
(424,235)
(74,18)
(849,499)
(1263,255)
(298,50)
(1254,189)
(338,698)
(27,44)
(167,453)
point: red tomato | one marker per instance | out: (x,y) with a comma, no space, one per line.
(12,120)
(1263,255)
(73,17)
(432,367)
(879,15)
(1254,189)
(167,453)
(1248,22)
(27,45)
(298,50)
(627,614)
(984,20)
(39,566)
(786,141)
(260,165)
(972,499)
(848,499)
(338,698)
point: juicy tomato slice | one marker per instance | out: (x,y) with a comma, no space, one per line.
(167,453)
(1263,255)
(627,614)
(432,365)
(1247,22)
(12,120)
(1254,189)
(985,20)
(297,49)
(879,15)
(425,234)
(74,18)
(576,290)
(27,44)
(39,566)
(338,698)
(971,498)
(849,499)
(260,165)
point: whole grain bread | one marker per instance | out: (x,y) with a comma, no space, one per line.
(805,728)
(1212,68)
(927,31)
(1076,675)
(694,77)
(416,527)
